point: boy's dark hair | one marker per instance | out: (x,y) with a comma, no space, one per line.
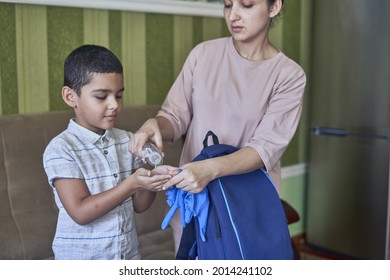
(83,62)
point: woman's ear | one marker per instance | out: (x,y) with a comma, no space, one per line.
(69,96)
(276,8)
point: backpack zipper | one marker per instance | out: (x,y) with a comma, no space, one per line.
(231,218)
(216,219)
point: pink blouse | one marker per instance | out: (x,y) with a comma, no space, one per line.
(245,103)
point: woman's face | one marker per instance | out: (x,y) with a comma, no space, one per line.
(248,19)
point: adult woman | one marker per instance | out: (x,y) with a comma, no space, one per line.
(243,89)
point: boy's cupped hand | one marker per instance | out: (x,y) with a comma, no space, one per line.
(165,170)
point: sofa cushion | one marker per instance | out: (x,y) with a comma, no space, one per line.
(30,213)
(157,245)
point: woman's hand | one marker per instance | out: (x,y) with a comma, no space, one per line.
(193,178)
(149,131)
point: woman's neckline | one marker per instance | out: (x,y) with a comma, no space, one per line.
(257,61)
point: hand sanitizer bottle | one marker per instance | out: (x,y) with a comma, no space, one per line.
(151,154)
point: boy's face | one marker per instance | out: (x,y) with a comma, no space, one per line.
(99,102)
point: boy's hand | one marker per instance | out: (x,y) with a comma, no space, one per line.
(151,180)
(165,170)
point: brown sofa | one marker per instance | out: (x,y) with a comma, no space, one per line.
(27,209)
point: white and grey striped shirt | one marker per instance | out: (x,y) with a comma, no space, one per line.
(102,161)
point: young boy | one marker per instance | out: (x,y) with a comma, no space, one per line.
(97,182)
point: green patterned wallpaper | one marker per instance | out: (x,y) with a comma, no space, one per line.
(8,87)
(62,36)
(36,39)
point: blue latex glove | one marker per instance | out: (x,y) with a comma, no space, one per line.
(190,205)
(175,199)
(197,205)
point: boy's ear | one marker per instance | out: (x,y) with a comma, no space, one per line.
(69,96)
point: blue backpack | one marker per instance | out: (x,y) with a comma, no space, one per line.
(245,218)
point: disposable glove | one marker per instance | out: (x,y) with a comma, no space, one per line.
(175,199)
(197,205)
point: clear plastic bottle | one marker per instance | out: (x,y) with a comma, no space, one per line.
(151,154)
